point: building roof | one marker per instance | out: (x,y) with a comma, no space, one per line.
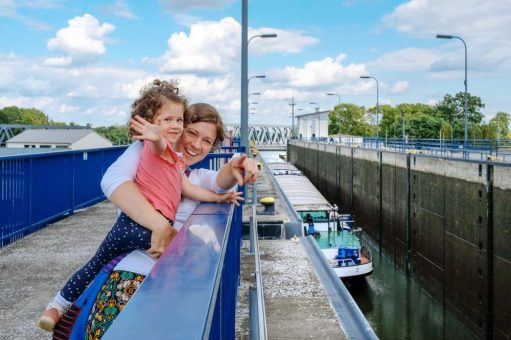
(50,136)
(312,114)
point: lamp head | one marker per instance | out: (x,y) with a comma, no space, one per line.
(365,77)
(271,35)
(444,36)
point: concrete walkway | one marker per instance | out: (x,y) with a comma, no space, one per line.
(35,267)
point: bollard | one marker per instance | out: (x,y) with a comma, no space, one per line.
(269,205)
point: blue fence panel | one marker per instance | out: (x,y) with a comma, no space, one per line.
(90,166)
(36,189)
(51,188)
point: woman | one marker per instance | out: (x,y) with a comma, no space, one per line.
(204,130)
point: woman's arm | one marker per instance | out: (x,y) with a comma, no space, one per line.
(122,170)
(117,184)
(232,173)
(129,199)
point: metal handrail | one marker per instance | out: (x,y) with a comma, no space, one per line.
(261,314)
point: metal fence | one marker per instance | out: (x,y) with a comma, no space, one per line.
(37,189)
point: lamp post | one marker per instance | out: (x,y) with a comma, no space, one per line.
(403,128)
(334,94)
(244,72)
(377,106)
(444,36)
(292,115)
(339,103)
(319,118)
(317,107)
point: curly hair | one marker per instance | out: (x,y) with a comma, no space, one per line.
(153,96)
(202,112)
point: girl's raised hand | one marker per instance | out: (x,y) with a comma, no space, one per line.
(145,130)
(231,197)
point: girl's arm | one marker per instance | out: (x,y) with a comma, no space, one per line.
(197,193)
(240,170)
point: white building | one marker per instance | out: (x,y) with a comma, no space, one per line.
(74,139)
(313,125)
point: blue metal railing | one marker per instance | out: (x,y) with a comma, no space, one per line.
(191,291)
(40,188)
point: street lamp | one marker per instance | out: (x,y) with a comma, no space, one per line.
(259,76)
(339,103)
(319,118)
(377,106)
(244,71)
(292,115)
(444,36)
(338,97)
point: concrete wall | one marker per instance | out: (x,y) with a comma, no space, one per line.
(446,222)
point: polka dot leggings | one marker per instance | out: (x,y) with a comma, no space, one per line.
(126,235)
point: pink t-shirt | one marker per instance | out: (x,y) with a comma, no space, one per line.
(159,180)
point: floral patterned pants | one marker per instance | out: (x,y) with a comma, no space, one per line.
(113,296)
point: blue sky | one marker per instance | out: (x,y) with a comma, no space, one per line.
(85,61)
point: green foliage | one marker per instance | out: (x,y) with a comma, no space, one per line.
(16,115)
(452,110)
(351,119)
(118,134)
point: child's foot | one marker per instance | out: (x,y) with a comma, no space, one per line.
(50,318)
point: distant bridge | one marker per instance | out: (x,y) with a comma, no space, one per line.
(264,135)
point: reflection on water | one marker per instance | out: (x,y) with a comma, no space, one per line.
(398,308)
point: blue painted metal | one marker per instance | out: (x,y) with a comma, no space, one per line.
(191,291)
(36,189)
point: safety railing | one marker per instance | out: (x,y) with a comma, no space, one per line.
(37,189)
(191,291)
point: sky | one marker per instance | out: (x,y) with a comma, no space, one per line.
(85,61)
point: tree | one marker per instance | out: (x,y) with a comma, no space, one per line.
(351,119)
(16,115)
(452,110)
(501,123)
(118,134)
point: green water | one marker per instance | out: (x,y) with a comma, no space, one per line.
(398,308)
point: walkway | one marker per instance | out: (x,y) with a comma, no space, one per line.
(36,266)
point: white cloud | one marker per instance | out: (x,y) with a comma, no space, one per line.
(400,87)
(81,42)
(13,9)
(177,6)
(483,25)
(287,41)
(211,47)
(406,60)
(319,73)
(119,8)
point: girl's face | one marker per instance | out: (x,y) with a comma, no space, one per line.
(170,119)
(196,141)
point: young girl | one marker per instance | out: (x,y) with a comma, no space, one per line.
(160,177)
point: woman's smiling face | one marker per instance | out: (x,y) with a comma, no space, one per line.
(197,141)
